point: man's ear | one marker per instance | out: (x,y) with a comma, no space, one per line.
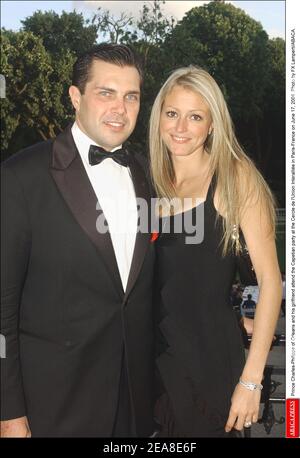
(75,97)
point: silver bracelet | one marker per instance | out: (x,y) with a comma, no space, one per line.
(251,386)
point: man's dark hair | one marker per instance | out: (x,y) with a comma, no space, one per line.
(117,54)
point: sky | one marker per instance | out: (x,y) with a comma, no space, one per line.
(271,14)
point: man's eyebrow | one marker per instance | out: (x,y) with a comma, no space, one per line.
(109,89)
(133,92)
(104,88)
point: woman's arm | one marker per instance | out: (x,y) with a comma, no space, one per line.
(262,249)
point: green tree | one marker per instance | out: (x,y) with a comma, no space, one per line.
(153,26)
(35,89)
(37,64)
(230,45)
(276,78)
(117,29)
(26,66)
(61,32)
(9,118)
(273,126)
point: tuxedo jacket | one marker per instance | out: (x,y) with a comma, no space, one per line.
(65,316)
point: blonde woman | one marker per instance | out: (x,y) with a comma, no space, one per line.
(207,387)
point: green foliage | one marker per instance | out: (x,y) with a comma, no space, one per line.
(59,33)
(272,155)
(35,86)
(37,64)
(9,114)
(276,80)
(151,28)
(116,29)
(231,46)
(26,66)
(153,25)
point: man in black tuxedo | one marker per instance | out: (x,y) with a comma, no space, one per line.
(76,300)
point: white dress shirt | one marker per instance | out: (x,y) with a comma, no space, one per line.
(114,189)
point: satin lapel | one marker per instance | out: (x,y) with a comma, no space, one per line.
(74,185)
(142,239)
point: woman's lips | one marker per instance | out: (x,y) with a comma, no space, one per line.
(180,140)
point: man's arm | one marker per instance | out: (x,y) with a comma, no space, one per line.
(15,251)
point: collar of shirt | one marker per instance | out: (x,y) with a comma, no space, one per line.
(83,143)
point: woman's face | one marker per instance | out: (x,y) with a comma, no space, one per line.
(185,122)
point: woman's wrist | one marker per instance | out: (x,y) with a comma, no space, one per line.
(250,385)
(252,376)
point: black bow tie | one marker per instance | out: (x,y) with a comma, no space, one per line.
(98,154)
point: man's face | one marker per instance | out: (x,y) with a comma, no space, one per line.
(108,109)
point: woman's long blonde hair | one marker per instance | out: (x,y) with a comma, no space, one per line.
(228,161)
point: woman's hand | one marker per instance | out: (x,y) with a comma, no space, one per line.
(244,408)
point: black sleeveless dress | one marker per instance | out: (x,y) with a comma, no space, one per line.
(200,353)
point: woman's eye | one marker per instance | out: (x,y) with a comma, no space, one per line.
(196,117)
(171,114)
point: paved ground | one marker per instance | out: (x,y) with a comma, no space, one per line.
(275,427)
